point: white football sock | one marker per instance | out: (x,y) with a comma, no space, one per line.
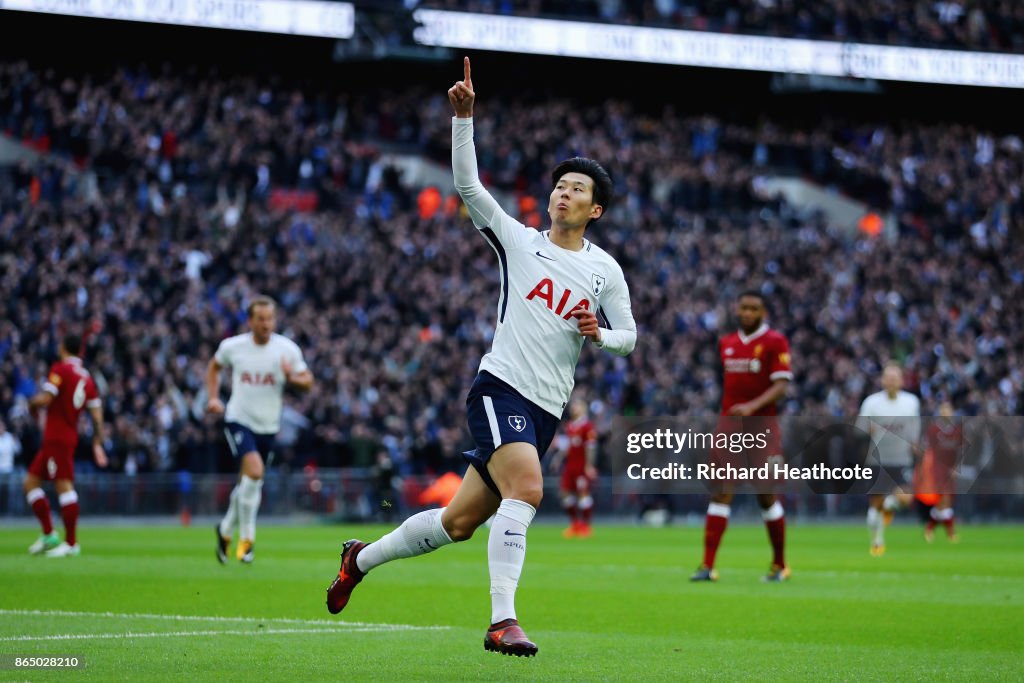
(250,493)
(774,512)
(506,551)
(230,521)
(719,510)
(420,534)
(876,525)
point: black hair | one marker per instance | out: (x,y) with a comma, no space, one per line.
(72,344)
(604,189)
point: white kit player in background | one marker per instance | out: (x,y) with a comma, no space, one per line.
(892,417)
(262,363)
(554,284)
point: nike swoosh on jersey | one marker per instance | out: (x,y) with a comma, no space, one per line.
(545,257)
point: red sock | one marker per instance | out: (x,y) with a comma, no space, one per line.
(41,507)
(930,525)
(777,535)
(714,528)
(586,513)
(948,523)
(69,512)
(571,511)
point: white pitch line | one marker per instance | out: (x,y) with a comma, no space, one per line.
(338,625)
(180,634)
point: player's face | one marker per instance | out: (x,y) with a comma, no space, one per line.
(262,322)
(576,410)
(750,312)
(892,379)
(571,204)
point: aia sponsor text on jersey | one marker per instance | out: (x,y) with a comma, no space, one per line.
(545,291)
(258,379)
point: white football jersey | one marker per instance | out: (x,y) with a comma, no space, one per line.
(894,425)
(257,379)
(536,341)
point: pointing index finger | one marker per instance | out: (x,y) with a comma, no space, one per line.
(465,69)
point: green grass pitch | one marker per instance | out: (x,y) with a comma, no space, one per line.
(153,604)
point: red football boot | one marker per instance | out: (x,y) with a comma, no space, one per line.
(348,576)
(508,638)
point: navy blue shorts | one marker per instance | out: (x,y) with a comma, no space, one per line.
(498,414)
(242,440)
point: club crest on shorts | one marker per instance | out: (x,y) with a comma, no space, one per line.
(517,422)
(597,283)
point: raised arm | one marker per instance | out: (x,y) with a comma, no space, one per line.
(484,210)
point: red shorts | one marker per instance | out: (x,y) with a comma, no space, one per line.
(750,443)
(54,461)
(575,480)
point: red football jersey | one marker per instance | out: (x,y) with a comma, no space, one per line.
(946,440)
(73,389)
(581,434)
(751,364)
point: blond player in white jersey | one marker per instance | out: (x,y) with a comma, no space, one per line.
(262,363)
(554,284)
(892,417)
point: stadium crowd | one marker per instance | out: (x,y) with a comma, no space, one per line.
(991,25)
(157,210)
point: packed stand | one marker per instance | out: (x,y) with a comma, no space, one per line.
(167,200)
(987,25)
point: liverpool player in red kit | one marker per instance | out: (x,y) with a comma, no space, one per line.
(579,453)
(945,438)
(756,366)
(67,390)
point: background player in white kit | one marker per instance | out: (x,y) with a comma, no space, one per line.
(552,285)
(893,419)
(262,363)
